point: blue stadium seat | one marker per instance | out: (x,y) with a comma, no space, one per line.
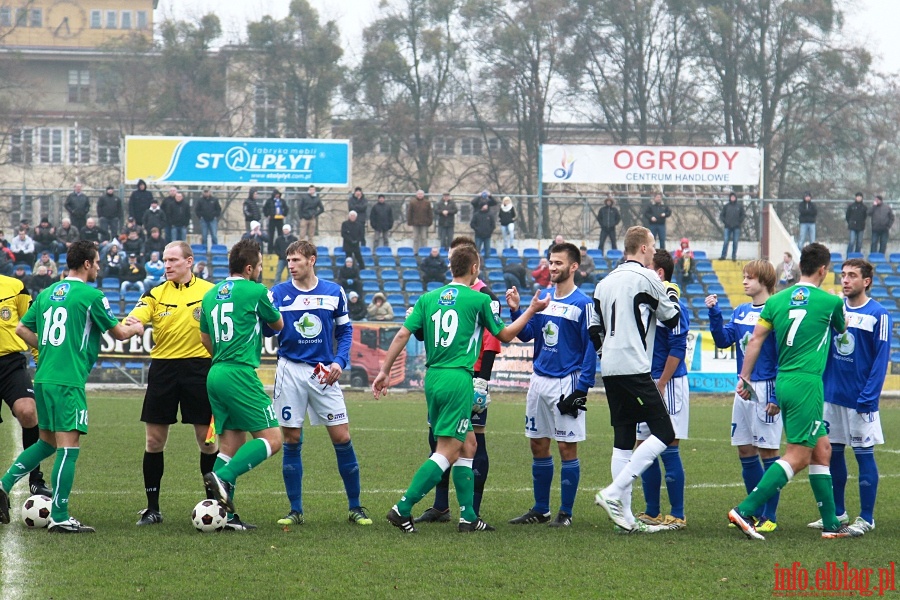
(715,288)
(371,286)
(504,313)
(339,253)
(895,357)
(531,253)
(408,262)
(600,264)
(693,289)
(386,261)
(726,314)
(892,280)
(218,249)
(219,260)
(498,288)
(411,300)
(111,283)
(704,266)
(615,255)
(595,253)
(493,263)
(112,296)
(698,303)
(495,276)
(324,273)
(849,255)
(384,251)
(369,274)
(390,275)
(444,253)
(424,251)
(411,274)
(877,258)
(414,286)
(700,254)
(513,261)
(132,297)
(323,250)
(198,248)
(433,285)
(510,253)
(108,364)
(879,293)
(894,257)
(365,250)
(587,288)
(368,298)
(220,272)
(396,299)
(405,251)
(392,286)
(837,257)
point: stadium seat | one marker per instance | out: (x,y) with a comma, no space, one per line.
(698,303)
(894,257)
(849,255)
(396,299)
(493,263)
(700,254)
(413,286)
(600,264)
(715,288)
(504,313)
(324,273)
(510,253)
(384,251)
(112,296)
(369,274)
(498,288)
(132,297)
(339,253)
(410,274)
(726,314)
(693,289)
(386,261)
(323,251)
(368,298)
(365,250)
(390,275)
(433,285)
(877,258)
(495,276)
(111,283)
(513,261)
(392,286)
(405,251)
(219,260)
(220,272)
(532,263)
(615,255)
(837,257)
(424,251)
(411,300)
(198,248)
(879,293)
(531,253)
(128,308)
(704,266)
(371,286)
(587,288)
(892,281)
(408,262)
(595,253)
(218,249)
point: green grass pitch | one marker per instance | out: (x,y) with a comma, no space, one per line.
(328,557)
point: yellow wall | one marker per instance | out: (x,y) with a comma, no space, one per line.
(67,23)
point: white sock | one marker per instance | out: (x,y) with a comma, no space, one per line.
(440,460)
(642,458)
(620,460)
(463,462)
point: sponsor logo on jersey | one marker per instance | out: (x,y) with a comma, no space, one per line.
(551,333)
(225,290)
(197,313)
(800,297)
(448,298)
(845,343)
(745,339)
(59,292)
(332,417)
(5,313)
(308,325)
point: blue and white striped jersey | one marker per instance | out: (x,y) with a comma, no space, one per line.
(671,342)
(738,331)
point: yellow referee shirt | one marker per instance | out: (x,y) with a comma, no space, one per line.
(173,310)
(14,303)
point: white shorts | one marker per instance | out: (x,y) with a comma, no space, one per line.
(542,419)
(848,427)
(298,391)
(750,425)
(677,402)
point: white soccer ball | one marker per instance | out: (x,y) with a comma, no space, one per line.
(209,515)
(36,511)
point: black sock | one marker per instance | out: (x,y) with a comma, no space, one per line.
(480,465)
(153,473)
(30,436)
(207,462)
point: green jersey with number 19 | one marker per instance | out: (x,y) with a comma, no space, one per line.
(231,317)
(69,319)
(453,318)
(802,317)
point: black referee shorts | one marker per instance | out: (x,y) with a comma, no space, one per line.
(173,382)
(633,399)
(15,381)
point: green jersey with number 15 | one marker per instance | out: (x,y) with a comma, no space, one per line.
(69,319)
(232,311)
(802,317)
(453,319)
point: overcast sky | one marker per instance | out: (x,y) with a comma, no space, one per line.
(869,22)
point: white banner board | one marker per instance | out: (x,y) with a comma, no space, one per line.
(650,165)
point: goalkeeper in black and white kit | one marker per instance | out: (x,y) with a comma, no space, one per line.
(627,304)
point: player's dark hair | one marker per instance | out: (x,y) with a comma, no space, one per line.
(813,256)
(762,271)
(302,247)
(243,253)
(462,259)
(635,237)
(80,252)
(570,250)
(866,269)
(663,260)
(462,240)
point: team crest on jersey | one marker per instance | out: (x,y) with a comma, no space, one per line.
(745,339)
(308,325)
(59,292)
(225,289)
(448,298)
(551,333)
(5,313)
(800,297)
(845,343)
(197,313)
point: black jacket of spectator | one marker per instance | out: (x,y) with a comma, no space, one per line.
(133,272)
(518,270)
(77,205)
(360,205)
(109,206)
(434,268)
(449,219)
(93,234)
(139,202)
(348,278)
(252,211)
(154,245)
(269,207)
(207,208)
(357,310)
(45,235)
(155,218)
(40,283)
(381,216)
(310,206)
(136,247)
(67,235)
(807,211)
(660,211)
(857,213)
(353,233)
(480,200)
(178,214)
(483,224)
(732,214)
(608,216)
(281,244)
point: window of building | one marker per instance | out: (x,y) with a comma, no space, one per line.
(108,144)
(125,19)
(444,145)
(96,19)
(265,123)
(5,16)
(21,17)
(142,19)
(496,144)
(79,85)
(51,150)
(21,146)
(470,146)
(79,146)
(112,19)
(37,17)
(385,146)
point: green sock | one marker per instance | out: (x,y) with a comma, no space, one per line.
(774,479)
(425,479)
(824,494)
(250,455)
(464,482)
(30,458)
(63,477)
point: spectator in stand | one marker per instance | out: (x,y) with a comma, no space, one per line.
(178,214)
(586,266)
(446,212)
(109,213)
(358,202)
(685,265)
(92,233)
(541,275)
(788,273)
(40,280)
(856,215)
(139,202)
(356,307)
(256,235)
(381,218)
(609,218)
(7,258)
(20,274)
(112,261)
(132,225)
(78,206)
(882,219)
(22,247)
(507,217)
(251,208)
(208,210)
(201,270)
(807,220)
(154,243)
(353,234)
(732,217)
(133,244)
(66,235)
(419,216)
(483,199)
(433,268)
(483,226)
(310,208)
(45,237)
(655,216)
(279,249)
(46,261)
(348,276)
(380,309)
(557,240)
(156,271)
(155,217)
(133,275)
(276,210)
(515,275)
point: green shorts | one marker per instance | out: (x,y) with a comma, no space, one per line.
(61,407)
(449,394)
(802,400)
(238,400)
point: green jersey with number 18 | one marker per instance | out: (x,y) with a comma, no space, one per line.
(232,311)
(453,318)
(802,317)
(69,319)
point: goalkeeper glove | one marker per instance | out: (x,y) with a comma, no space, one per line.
(672,291)
(482,397)
(572,404)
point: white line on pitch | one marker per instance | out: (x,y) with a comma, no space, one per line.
(14,574)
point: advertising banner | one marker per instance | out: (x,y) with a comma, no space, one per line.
(654,165)
(237,161)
